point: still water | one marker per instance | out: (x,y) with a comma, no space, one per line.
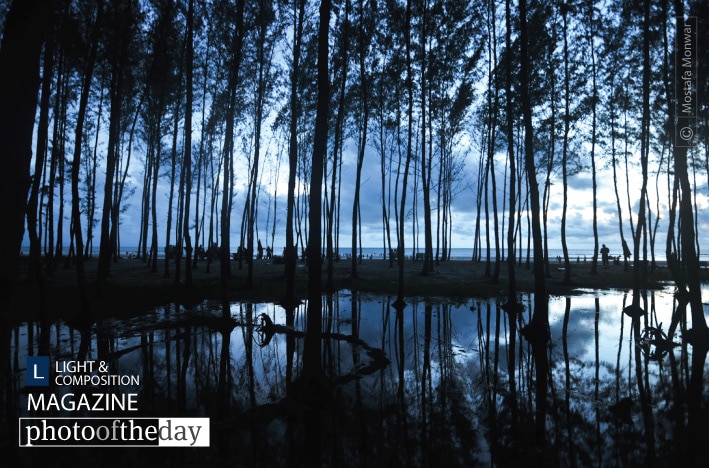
(440,384)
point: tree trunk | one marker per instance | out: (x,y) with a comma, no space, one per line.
(332,211)
(119,40)
(169,251)
(227,183)
(565,147)
(201,163)
(61,166)
(145,206)
(157,156)
(23,36)
(594,100)
(640,270)
(364,90)
(399,303)
(511,156)
(76,163)
(33,214)
(91,185)
(291,254)
(538,329)
(699,335)
(187,164)
(425,166)
(263,70)
(312,368)
(58,152)
(122,182)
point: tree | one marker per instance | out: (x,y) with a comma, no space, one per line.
(426,155)
(340,66)
(22,39)
(640,271)
(594,102)
(122,20)
(161,90)
(617,97)
(386,91)
(202,159)
(76,163)
(565,141)
(312,369)
(319,152)
(227,183)
(267,30)
(364,32)
(685,266)
(511,156)
(291,254)
(537,332)
(90,169)
(33,214)
(186,188)
(399,303)
(452,59)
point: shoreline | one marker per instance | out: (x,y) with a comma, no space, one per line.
(132,289)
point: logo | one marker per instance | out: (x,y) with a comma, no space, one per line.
(37,371)
(113,432)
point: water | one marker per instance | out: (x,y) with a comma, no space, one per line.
(430,387)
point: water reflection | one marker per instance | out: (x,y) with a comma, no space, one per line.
(432,384)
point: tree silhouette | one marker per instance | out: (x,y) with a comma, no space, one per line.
(22,40)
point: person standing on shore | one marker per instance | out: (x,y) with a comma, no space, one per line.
(605,251)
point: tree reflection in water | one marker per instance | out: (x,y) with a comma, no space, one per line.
(432,383)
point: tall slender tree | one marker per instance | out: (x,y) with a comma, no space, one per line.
(122,16)
(640,270)
(511,156)
(87,79)
(33,211)
(312,368)
(594,103)
(227,179)
(20,51)
(291,254)
(565,7)
(186,188)
(399,303)
(340,72)
(425,153)
(537,332)
(364,32)
(685,266)
(267,30)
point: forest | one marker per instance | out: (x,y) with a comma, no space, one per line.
(192,118)
(195,134)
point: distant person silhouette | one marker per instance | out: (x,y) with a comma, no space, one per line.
(605,251)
